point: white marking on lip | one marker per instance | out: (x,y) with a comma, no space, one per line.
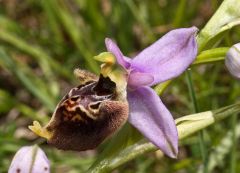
(87,113)
(95,111)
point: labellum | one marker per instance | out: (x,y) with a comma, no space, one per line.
(87,115)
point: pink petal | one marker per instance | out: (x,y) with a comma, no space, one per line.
(149,115)
(113,48)
(138,79)
(169,56)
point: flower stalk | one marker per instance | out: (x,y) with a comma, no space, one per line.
(196,110)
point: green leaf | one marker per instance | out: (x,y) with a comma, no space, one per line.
(212,55)
(69,22)
(35,85)
(226,17)
(46,62)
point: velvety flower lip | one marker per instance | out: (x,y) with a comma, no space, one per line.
(165,59)
(30,159)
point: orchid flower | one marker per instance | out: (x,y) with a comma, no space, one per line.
(30,159)
(166,59)
(99,106)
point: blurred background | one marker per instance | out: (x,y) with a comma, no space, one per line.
(42,42)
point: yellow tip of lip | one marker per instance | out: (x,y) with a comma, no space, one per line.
(39,130)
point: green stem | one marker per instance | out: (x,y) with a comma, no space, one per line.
(191,90)
(196,110)
(180,12)
(234,142)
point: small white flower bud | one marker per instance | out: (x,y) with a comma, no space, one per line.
(232,60)
(30,159)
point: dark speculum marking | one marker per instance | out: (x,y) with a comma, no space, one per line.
(73,115)
(81,105)
(105,86)
(74,99)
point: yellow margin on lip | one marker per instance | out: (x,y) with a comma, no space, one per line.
(39,130)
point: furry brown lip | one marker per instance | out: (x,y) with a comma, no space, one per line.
(87,115)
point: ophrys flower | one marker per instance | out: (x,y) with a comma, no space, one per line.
(99,106)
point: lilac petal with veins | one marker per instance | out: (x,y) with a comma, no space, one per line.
(149,115)
(168,57)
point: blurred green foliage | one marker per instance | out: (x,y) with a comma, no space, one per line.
(41,42)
